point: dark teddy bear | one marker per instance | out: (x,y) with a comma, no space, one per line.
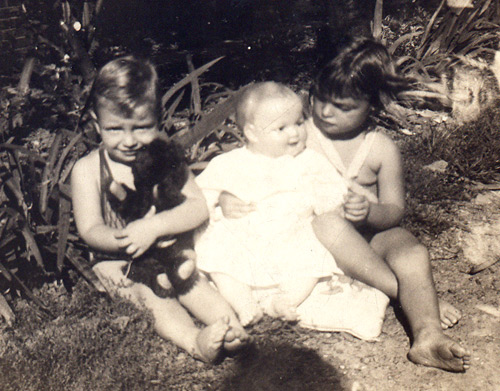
(160,172)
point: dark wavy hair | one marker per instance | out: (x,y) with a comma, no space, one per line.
(363,69)
(125,84)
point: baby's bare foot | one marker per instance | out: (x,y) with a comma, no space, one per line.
(250,313)
(448,315)
(434,349)
(211,339)
(284,309)
(236,338)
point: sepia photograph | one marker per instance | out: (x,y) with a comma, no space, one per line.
(164,163)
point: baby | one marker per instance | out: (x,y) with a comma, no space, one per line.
(284,186)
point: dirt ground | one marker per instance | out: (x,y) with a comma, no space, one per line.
(382,365)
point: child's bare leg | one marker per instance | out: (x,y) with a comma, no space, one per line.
(206,304)
(173,323)
(417,295)
(239,296)
(357,259)
(293,293)
(353,255)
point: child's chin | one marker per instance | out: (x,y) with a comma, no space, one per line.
(297,150)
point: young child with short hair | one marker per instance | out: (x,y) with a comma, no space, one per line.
(126,109)
(366,240)
(282,185)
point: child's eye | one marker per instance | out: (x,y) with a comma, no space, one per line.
(344,107)
(114,130)
(144,128)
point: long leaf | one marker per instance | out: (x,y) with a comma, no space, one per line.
(32,245)
(64,154)
(63,228)
(167,117)
(32,296)
(402,39)
(209,122)
(47,172)
(195,88)
(186,80)
(32,155)
(429,27)
(82,267)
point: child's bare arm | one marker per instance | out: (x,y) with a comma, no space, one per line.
(87,206)
(139,235)
(389,210)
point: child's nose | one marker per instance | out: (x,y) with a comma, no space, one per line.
(327,110)
(293,130)
(129,139)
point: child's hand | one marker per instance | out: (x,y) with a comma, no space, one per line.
(232,207)
(356,207)
(137,236)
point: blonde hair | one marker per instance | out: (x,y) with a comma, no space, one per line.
(125,84)
(257,94)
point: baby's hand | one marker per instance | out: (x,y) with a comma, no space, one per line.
(232,207)
(137,236)
(356,207)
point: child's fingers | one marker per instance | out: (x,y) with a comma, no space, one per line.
(151,212)
(239,210)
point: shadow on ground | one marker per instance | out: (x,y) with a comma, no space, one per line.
(281,366)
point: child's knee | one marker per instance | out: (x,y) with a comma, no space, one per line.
(329,226)
(414,259)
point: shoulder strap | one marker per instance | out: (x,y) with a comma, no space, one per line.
(111,218)
(360,155)
(325,146)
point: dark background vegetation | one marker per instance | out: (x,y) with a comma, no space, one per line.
(60,322)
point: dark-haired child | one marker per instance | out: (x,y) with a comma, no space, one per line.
(366,240)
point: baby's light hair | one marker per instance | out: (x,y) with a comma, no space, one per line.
(363,69)
(125,84)
(257,94)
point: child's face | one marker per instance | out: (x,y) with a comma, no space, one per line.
(123,137)
(277,127)
(340,116)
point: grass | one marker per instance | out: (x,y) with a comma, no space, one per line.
(95,343)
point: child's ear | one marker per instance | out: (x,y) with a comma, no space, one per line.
(249,131)
(93,115)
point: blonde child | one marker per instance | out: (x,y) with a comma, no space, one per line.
(126,108)
(272,243)
(366,240)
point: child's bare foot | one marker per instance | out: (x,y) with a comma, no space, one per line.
(283,309)
(435,349)
(249,313)
(211,339)
(236,338)
(448,315)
